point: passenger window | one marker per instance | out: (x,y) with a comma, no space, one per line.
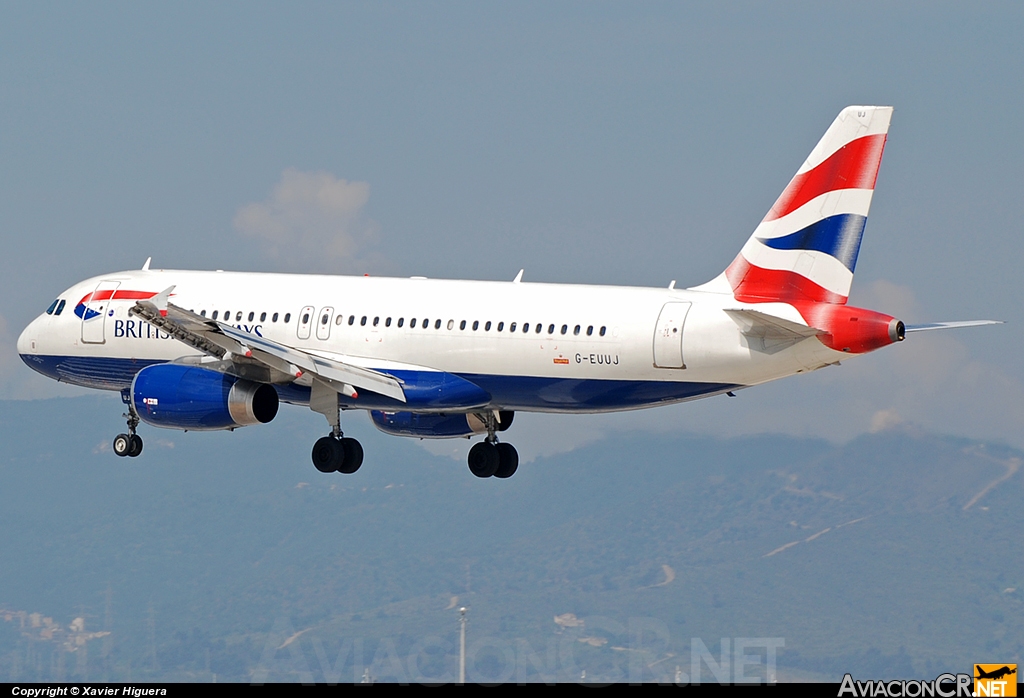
(412,324)
(590,330)
(215,314)
(305,318)
(564,328)
(60,308)
(287,317)
(202,313)
(602,330)
(540,328)
(501,326)
(401,321)
(338,320)
(451,324)
(487,327)
(238,316)
(387,323)
(376,321)
(425,324)
(437,324)
(362,321)
(526,327)
(351,320)
(227,316)
(576,330)
(512,327)
(462,325)
(251,316)
(53,306)
(551,329)
(273,318)
(263,317)
(325,319)
(476,325)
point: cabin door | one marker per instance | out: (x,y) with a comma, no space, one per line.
(668,336)
(96,310)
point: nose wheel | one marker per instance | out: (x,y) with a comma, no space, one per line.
(129,444)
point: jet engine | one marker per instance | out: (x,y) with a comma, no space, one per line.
(189,397)
(435,425)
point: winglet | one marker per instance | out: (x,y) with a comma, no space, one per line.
(519,277)
(159,301)
(145,267)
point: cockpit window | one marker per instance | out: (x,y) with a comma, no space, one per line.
(53,306)
(60,307)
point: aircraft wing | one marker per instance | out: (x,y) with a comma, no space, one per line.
(277,363)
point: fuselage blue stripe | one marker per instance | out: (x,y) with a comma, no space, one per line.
(506,392)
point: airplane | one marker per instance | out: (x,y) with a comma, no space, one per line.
(435,358)
(995,674)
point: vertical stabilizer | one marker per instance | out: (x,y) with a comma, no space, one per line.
(806,248)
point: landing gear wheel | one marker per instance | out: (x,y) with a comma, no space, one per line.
(135,445)
(328,454)
(508,460)
(353,456)
(122,445)
(484,459)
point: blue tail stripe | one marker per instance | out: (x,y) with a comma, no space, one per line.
(838,236)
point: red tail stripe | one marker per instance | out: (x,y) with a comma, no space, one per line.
(854,166)
(752,284)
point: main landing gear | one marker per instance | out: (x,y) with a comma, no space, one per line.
(129,444)
(336,453)
(490,458)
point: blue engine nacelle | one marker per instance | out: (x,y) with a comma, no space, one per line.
(190,397)
(434,425)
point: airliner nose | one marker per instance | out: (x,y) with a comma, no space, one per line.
(27,339)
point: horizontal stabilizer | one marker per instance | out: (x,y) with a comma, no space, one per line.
(769,333)
(951,325)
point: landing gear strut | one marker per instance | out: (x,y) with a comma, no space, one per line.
(129,444)
(489,458)
(334,453)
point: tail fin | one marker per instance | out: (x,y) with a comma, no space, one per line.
(806,248)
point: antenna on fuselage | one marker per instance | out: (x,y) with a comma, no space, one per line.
(145,267)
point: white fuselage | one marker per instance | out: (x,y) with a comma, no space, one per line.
(586,349)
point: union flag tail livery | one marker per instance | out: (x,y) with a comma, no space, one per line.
(805,249)
(440,358)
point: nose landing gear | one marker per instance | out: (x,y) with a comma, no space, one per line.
(129,444)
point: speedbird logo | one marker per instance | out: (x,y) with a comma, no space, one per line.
(84,311)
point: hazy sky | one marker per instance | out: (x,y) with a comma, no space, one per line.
(612,143)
